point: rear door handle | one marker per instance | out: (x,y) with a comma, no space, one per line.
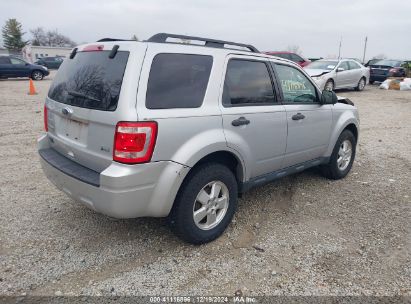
(240,121)
(298,116)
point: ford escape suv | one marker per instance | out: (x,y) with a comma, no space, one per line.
(163,129)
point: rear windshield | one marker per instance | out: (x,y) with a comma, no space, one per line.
(90,80)
(393,63)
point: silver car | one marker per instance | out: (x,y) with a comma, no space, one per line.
(160,129)
(333,74)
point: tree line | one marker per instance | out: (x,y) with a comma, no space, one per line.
(12,34)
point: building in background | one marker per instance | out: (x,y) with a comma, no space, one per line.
(31,53)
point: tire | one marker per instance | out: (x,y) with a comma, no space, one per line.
(198,186)
(329,85)
(371,81)
(338,167)
(37,75)
(361,84)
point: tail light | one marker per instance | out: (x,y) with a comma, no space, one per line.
(93,48)
(45,115)
(134,142)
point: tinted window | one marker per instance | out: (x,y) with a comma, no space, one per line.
(16,61)
(393,63)
(4,60)
(178,81)
(90,80)
(295,85)
(247,83)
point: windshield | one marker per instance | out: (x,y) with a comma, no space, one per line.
(393,63)
(90,80)
(322,65)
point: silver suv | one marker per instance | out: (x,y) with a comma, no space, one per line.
(165,129)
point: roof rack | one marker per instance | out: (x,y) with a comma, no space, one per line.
(162,38)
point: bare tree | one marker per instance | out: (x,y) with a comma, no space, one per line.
(294,49)
(39,36)
(50,38)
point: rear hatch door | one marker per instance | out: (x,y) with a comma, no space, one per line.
(89,95)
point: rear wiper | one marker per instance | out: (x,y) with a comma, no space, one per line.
(78,94)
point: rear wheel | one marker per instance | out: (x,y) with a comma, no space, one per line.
(205,204)
(342,157)
(371,81)
(37,75)
(329,85)
(361,84)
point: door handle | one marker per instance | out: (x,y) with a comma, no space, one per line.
(298,116)
(240,121)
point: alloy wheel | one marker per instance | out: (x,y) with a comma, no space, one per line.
(210,205)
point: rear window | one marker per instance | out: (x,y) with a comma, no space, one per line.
(90,80)
(178,81)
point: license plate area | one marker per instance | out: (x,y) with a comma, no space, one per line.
(73,130)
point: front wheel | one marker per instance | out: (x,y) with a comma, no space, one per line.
(342,158)
(361,84)
(37,75)
(205,204)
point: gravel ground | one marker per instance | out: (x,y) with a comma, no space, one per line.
(302,235)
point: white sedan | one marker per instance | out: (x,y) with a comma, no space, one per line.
(330,74)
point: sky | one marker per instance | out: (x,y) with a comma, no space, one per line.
(316,26)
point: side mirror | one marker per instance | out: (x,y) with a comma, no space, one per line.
(340,70)
(328,97)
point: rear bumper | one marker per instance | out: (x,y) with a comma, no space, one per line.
(121,191)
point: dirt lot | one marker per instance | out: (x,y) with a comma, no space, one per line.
(303,235)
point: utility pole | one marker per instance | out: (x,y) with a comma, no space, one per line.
(365,48)
(339,49)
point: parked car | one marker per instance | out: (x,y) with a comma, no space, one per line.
(50,62)
(371,61)
(137,129)
(333,74)
(11,66)
(291,56)
(381,70)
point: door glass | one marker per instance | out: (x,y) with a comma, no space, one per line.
(247,83)
(16,61)
(295,85)
(344,65)
(353,65)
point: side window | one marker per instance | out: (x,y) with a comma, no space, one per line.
(178,81)
(353,65)
(4,60)
(344,65)
(16,61)
(296,87)
(247,83)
